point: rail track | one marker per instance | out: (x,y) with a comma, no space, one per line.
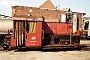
(83,47)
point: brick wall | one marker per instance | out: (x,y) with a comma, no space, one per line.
(20,10)
(80,20)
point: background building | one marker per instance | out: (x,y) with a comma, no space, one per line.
(48,10)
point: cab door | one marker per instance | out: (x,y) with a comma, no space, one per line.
(18,36)
(34,35)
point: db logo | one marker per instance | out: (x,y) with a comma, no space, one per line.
(33,38)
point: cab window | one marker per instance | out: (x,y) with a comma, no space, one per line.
(86,26)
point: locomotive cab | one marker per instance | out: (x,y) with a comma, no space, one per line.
(26,34)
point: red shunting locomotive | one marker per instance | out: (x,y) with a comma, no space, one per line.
(40,33)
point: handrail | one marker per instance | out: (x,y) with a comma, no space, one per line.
(42,34)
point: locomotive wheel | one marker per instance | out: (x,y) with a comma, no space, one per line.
(6,46)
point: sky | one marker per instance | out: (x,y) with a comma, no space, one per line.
(82,6)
